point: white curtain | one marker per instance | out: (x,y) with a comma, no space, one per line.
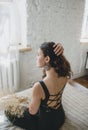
(9,70)
(9,38)
(10,25)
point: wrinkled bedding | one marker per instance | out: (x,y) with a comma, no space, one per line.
(75,104)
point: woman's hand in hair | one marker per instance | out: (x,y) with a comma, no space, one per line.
(58,49)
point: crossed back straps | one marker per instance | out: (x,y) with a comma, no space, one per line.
(53,101)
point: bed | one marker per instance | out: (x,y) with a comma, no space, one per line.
(74,100)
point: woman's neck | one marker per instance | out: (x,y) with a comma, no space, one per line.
(51,73)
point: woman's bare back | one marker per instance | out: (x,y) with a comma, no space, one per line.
(55,87)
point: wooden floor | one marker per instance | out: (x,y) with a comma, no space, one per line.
(82,80)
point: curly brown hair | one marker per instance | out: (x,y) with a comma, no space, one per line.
(59,63)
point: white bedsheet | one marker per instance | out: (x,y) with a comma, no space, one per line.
(75,103)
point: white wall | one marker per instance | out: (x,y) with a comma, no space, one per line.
(58,21)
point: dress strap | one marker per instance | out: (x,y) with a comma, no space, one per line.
(45,90)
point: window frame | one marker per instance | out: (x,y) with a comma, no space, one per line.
(84,33)
(23,21)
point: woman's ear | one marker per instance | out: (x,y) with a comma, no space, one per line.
(47,59)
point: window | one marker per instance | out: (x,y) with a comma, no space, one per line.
(84,36)
(12,23)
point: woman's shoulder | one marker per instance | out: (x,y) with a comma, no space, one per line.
(37,86)
(37,89)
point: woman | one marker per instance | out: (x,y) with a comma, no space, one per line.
(45,110)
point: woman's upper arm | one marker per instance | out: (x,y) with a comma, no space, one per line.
(36,99)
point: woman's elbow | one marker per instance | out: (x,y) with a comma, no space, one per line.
(32,111)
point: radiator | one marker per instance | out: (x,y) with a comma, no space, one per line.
(9,75)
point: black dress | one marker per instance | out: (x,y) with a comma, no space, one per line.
(47,118)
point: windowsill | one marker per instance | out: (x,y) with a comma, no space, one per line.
(84,40)
(20,48)
(23,49)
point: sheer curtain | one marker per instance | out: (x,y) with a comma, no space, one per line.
(10,36)
(10,24)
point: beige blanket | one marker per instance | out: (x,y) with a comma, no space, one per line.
(75,103)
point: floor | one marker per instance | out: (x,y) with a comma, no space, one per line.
(82,80)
